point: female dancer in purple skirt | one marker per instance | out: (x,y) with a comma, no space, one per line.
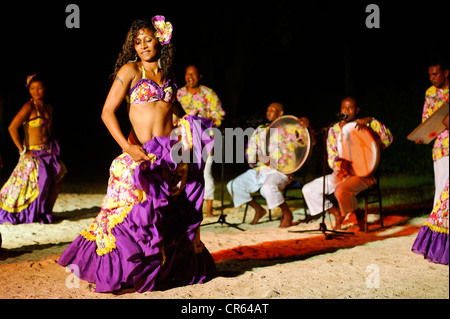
(31,190)
(147,230)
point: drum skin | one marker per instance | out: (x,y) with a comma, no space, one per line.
(360,148)
(289,144)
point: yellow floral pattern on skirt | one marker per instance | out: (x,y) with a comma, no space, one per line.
(122,194)
(438,220)
(22,188)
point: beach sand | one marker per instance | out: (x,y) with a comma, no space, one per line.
(257,262)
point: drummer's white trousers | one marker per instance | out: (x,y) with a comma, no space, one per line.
(209,179)
(440,176)
(344,189)
(270,186)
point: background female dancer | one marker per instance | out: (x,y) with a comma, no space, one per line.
(148,227)
(31,191)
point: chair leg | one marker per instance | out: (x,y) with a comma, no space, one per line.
(381,208)
(366,228)
(245,213)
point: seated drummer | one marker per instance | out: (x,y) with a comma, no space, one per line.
(343,182)
(261,176)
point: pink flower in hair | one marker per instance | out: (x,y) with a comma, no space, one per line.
(29,78)
(163,29)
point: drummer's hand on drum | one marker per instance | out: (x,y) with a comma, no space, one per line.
(363,123)
(345,168)
(304,121)
(419,141)
(264,159)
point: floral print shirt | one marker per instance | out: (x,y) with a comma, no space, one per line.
(205,103)
(257,143)
(434,99)
(334,161)
(281,149)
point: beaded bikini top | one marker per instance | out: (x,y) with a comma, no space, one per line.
(147,90)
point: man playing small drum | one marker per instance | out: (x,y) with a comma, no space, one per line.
(343,182)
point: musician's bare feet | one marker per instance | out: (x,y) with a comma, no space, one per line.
(209,209)
(258,214)
(286,220)
(259,211)
(337,216)
(209,203)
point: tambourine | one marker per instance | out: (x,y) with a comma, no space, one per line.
(288,143)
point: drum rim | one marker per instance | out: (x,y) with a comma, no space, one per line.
(377,146)
(309,146)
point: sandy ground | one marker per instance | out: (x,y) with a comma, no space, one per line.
(257,262)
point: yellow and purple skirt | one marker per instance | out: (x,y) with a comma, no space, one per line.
(432,241)
(24,198)
(147,230)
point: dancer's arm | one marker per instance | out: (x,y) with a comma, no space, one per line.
(51,127)
(115,97)
(17,122)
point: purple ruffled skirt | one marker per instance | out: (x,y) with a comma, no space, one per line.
(432,241)
(24,198)
(148,229)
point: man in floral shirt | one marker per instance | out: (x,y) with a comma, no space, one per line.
(199,100)
(262,176)
(435,97)
(343,182)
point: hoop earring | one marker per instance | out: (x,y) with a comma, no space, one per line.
(159,63)
(135,58)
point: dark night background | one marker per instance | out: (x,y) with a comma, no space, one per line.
(305,55)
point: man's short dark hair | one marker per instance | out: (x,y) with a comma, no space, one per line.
(437,60)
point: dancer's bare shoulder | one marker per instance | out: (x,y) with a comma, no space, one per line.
(128,74)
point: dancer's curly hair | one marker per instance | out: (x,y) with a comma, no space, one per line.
(129,53)
(36,78)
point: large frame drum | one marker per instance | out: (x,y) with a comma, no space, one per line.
(289,144)
(360,148)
